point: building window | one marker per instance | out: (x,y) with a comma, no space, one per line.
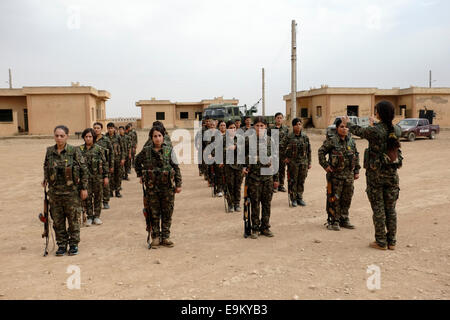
(160,116)
(353,111)
(400,110)
(198,115)
(304,112)
(6,115)
(184,115)
(319,111)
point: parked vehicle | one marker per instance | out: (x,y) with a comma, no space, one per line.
(415,127)
(363,122)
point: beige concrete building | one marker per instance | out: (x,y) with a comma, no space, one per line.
(37,110)
(321,106)
(175,114)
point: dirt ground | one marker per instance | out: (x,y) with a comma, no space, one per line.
(211,259)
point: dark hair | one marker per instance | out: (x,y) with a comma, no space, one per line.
(338,122)
(230,122)
(156,128)
(91,131)
(98,124)
(110,125)
(220,122)
(207,118)
(296,120)
(260,119)
(158,124)
(386,111)
(127,127)
(62,127)
(122,127)
(278,114)
(247,117)
(130,124)
(237,120)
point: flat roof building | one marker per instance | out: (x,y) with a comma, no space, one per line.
(175,114)
(38,110)
(321,106)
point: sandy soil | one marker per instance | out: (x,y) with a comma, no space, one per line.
(211,259)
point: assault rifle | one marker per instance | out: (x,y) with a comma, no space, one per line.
(331,200)
(247,212)
(147,214)
(43,217)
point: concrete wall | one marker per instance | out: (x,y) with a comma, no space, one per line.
(17,104)
(320,101)
(148,115)
(440,104)
(47,111)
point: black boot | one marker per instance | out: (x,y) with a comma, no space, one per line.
(73,250)
(61,251)
(118,195)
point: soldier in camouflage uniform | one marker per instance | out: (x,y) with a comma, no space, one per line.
(162,178)
(282,134)
(260,184)
(127,144)
(118,147)
(66,175)
(296,150)
(94,157)
(134,142)
(247,123)
(198,144)
(219,168)
(382,159)
(342,169)
(105,143)
(233,170)
(209,139)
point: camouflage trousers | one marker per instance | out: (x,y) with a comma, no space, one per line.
(220,177)
(127,167)
(105,191)
(342,190)
(116,177)
(160,205)
(233,185)
(383,192)
(133,155)
(93,203)
(260,194)
(297,174)
(281,171)
(62,208)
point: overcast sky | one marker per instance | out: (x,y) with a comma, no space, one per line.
(192,50)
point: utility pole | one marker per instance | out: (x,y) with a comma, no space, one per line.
(430,79)
(263,94)
(10,79)
(294,71)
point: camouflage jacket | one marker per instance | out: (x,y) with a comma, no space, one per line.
(65,172)
(127,144)
(118,146)
(376,159)
(254,153)
(95,161)
(105,143)
(134,139)
(296,148)
(283,132)
(233,163)
(157,168)
(343,157)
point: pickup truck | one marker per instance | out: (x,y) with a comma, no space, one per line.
(413,128)
(363,122)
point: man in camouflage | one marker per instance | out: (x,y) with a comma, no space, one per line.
(118,147)
(127,144)
(97,165)
(162,179)
(296,150)
(66,175)
(104,142)
(342,169)
(283,132)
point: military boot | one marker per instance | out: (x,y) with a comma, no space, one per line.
(105,205)
(155,242)
(301,202)
(375,245)
(267,233)
(230,208)
(237,208)
(346,224)
(281,189)
(118,195)
(73,250)
(254,234)
(336,227)
(61,251)
(294,203)
(167,242)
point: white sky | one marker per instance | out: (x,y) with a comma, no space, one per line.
(192,50)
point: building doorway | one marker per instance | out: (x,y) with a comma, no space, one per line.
(25,119)
(353,111)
